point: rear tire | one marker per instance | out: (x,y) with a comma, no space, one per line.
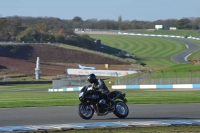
(121,109)
(85,111)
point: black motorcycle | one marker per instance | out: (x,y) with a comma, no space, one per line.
(93,102)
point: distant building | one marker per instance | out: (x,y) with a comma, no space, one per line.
(172,28)
(158,27)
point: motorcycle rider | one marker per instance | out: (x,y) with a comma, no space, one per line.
(100,86)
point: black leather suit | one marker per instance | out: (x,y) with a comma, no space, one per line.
(100,86)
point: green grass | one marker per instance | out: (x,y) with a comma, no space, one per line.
(184,68)
(154,52)
(181,70)
(24,86)
(195,55)
(37,99)
(45,98)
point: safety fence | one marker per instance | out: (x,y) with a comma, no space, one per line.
(156,80)
(69,82)
(148,78)
(160,77)
(4,78)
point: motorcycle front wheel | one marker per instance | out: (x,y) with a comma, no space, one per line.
(121,110)
(85,111)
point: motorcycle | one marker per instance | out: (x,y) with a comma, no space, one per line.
(92,102)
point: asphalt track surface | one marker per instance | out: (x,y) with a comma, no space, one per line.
(182,56)
(68,114)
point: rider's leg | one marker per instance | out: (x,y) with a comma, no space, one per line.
(111,101)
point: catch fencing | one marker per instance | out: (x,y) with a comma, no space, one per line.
(69,82)
(4,78)
(140,78)
(160,77)
(148,78)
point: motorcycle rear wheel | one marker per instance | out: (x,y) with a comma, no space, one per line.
(85,111)
(121,109)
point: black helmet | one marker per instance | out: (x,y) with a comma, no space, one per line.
(91,78)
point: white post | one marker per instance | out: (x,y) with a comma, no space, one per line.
(37,69)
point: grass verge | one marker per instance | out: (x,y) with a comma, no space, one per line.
(24,86)
(38,97)
(154,52)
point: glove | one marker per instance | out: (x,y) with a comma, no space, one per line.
(90,88)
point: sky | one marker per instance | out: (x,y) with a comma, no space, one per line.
(146,10)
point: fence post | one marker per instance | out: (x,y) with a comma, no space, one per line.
(127,79)
(116,78)
(149,76)
(175,76)
(190,76)
(138,77)
(79,80)
(4,78)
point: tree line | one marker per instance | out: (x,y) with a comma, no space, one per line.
(42,30)
(50,29)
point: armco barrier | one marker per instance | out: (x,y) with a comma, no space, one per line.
(159,86)
(65,89)
(154,35)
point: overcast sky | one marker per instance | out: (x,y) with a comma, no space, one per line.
(148,10)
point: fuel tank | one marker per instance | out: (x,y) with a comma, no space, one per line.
(91,97)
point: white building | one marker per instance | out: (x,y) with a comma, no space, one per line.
(172,28)
(158,27)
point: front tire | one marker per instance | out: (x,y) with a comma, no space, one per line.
(85,111)
(121,110)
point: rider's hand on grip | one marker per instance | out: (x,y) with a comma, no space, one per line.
(90,88)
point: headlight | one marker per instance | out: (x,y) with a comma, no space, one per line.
(81,94)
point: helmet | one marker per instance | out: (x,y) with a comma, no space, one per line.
(91,78)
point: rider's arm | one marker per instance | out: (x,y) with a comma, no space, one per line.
(100,85)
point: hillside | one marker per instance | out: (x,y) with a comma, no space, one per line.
(20,59)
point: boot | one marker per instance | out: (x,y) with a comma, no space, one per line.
(112,106)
